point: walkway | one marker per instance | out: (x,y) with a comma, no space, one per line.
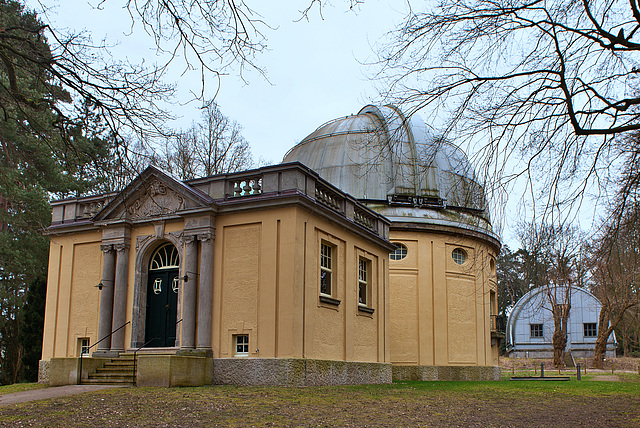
(52,392)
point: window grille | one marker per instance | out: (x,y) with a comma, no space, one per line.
(399,253)
(165,257)
(459,256)
(536,330)
(326,272)
(242,344)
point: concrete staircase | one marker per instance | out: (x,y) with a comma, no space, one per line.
(118,371)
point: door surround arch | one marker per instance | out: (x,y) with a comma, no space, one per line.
(163,284)
(145,248)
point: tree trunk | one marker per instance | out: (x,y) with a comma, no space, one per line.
(606,325)
(559,344)
(625,339)
(560,318)
(603,337)
(600,350)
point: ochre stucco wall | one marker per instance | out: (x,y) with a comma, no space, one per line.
(266,285)
(439,312)
(341,332)
(72,299)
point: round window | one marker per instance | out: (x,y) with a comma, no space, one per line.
(399,253)
(459,256)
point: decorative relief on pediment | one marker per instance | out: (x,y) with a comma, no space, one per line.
(157,200)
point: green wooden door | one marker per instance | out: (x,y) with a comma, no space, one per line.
(162,303)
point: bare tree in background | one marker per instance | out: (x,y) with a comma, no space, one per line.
(209,36)
(513,282)
(615,254)
(554,263)
(213,146)
(616,278)
(553,82)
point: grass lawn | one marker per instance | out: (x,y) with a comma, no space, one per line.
(19,387)
(401,404)
(603,375)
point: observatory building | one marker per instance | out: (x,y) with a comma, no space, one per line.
(366,256)
(531,326)
(442,277)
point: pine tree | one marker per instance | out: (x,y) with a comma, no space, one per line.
(42,154)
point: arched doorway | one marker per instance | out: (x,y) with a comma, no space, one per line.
(162,297)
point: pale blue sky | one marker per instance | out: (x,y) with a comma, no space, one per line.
(315,70)
(314,67)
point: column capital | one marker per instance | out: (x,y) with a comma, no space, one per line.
(205,237)
(120,247)
(189,239)
(106,248)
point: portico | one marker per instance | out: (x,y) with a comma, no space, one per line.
(151,201)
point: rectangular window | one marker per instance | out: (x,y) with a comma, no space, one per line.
(83,344)
(242,345)
(363,282)
(536,330)
(590,329)
(326,272)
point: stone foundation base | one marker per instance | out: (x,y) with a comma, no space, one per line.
(297,372)
(437,373)
(190,370)
(184,370)
(43,371)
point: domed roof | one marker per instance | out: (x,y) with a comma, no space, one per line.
(381,157)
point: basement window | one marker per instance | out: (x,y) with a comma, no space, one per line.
(83,345)
(241,342)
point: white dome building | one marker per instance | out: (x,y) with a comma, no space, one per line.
(530,327)
(442,289)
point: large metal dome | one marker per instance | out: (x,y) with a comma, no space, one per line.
(397,166)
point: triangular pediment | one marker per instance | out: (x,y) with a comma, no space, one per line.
(153,194)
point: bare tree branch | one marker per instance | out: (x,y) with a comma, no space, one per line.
(554,82)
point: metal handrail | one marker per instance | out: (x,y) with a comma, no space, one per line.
(82,353)
(135,354)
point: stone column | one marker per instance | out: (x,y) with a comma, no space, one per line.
(205,291)
(120,296)
(106,297)
(189,292)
